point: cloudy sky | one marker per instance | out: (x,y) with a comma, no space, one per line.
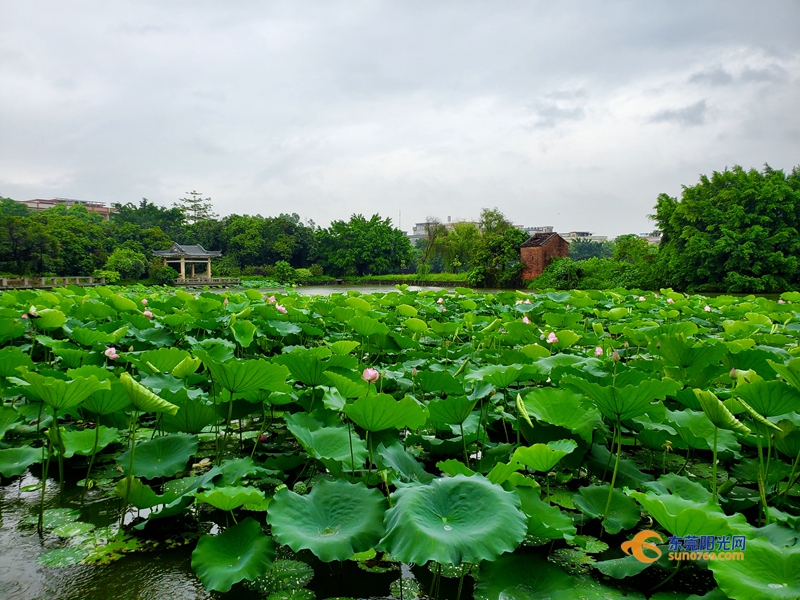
(571,114)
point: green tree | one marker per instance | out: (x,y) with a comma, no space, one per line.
(195,208)
(148,215)
(362,247)
(12,208)
(631,248)
(496,261)
(127,262)
(736,231)
(492,221)
(585,249)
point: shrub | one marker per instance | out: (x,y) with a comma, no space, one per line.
(302,274)
(284,272)
(129,263)
(165,275)
(316,270)
(111,276)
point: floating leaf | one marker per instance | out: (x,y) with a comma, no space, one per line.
(336,520)
(240,552)
(59,558)
(623,512)
(453,520)
(230,497)
(14,461)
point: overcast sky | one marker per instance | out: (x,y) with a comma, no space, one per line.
(571,114)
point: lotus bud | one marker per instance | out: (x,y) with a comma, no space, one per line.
(148,314)
(263,438)
(627,345)
(707,308)
(370,375)
(733,373)
(440,301)
(615,356)
(670,301)
(526,320)
(598,351)
(551,338)
(225,302)
(414,372)
(144,301)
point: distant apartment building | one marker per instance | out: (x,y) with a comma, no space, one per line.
(420,230)
(584,236)
(654,237)
(97,207)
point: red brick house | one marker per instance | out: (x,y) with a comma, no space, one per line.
(539,250)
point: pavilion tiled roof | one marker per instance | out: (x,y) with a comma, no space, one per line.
(189,251)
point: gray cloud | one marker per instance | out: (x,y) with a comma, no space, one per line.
(694,114)
(340,106)
(716,76)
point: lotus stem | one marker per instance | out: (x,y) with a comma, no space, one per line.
(671,575)
(616,468)
(59,444)
(714,469)
(792,480)
(45,470)
(91,460)
(352,458)
(464,443)
(129,479)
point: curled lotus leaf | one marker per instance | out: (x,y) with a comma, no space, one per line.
(335,521)
(453,520)
(143,399)
(543,457)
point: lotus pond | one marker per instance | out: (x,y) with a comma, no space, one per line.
(403,443)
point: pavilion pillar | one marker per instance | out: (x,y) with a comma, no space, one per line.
(192,270)
(208,268)
(183,267)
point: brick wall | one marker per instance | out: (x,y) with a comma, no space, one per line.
(537,258)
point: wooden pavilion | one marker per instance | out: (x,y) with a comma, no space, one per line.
(188,255)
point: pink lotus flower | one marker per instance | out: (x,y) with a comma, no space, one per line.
(270,299)
(527,300)
(707,308)
(440,301)
(225,302)
(641,298)
(24,315)
(263,438)
(552,339)
(111,353)
(370,375)
(781,301)
(280,309)
(598,351)
(444,309)
(148,314)
(670,301)
(144,301)
(526,320)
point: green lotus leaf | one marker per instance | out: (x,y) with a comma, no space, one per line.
(697,431)
(401,462)
(192,416)
(69,530)
(619,568)
(305,366)
(790,371)
(240,552)
(141,495)
(766,573)
(416,325)
(623,403)
(358,303)
(123,304)
(188,366)
(543,457)
(563,408)
(367,326)
(88,441)
(717,413)
(10,329)
(60,394)
(381,411)
(444,329)
(244,376)
(453,520)
(347,387)
(545,521)
(686,357)
(683,517)
(243,332)
(333,443)
(787,440)
(143,399)
(8,419)
(533,577)
(161,457)
(454,409)
(58,558)
(163,359)
(106,402)
(623,512)
(407,310)
(500,376)
(14,461)
(343,347)
(230,497)
(91,337)
(50,318)
(438,381)
(454,467)
(336,520)
(770,398)
(11,358)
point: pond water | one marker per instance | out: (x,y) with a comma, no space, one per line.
(143,575)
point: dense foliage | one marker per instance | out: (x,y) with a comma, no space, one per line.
(526,441)
(737,231)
